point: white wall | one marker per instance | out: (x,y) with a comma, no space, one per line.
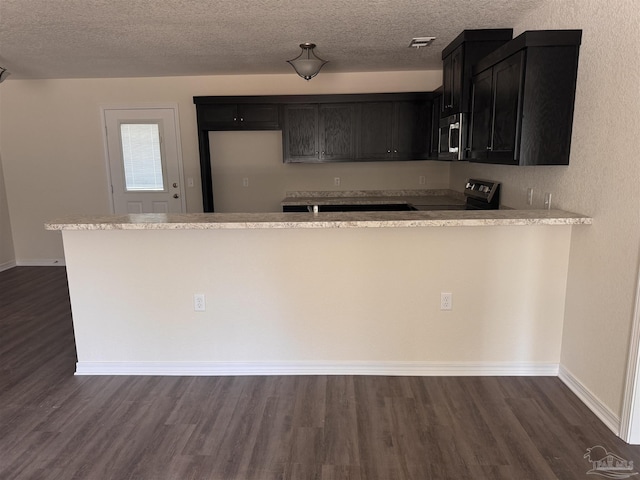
(321,295)
(7,254)
(257,156)
(601,181)
(52,141)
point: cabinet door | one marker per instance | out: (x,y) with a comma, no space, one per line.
(436,108)
(376,121)
(218,117)
(300,135)
(452,81)
(337,132)
(258,117)
(481,115)
(507,81)
(411,130)
(456,78)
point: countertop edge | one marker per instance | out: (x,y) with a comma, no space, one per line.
(320,220)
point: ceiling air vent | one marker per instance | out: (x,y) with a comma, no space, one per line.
(421,42)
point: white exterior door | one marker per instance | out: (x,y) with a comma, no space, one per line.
(145,163)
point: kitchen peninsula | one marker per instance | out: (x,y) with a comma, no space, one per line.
(327,293)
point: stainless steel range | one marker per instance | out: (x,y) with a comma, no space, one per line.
(482,194)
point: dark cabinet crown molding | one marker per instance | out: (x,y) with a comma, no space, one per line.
(324,98)
(482,35)
(532,38)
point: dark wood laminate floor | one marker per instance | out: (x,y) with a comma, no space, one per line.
(54,425)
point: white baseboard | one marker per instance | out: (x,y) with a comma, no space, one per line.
(7,265)
(42,262)
(317,368)
(610,419)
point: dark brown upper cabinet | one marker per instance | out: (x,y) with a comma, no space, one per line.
(300,133)
(458,59)
(395,130)
(337,132)
(452,81)
(322,128)
(367,127)
(375,131)
(231,116)
(412,130)
(522,100)
(319,132)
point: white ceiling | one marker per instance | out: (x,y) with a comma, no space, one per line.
(143,38)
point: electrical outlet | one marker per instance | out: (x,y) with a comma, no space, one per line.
(530,196)
(446,301)
(422,180)
(199,303)
(190,183)
(336,181)
(245,182)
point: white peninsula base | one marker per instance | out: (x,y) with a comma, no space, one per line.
(318,300)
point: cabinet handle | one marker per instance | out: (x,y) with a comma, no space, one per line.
(241,119)
(453,126)
(235,119)
(395,151)
(388,151)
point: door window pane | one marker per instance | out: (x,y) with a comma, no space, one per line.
(141,156)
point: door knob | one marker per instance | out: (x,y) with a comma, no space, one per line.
(175,185)
(175,195)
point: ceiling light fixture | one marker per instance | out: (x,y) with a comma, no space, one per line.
(307,64)
(4,73)
(421,42)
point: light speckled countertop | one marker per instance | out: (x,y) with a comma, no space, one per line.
(212,221)
(433,197)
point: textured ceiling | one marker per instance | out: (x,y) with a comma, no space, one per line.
(142,38)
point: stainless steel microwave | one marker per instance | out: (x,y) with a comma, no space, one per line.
(450,144)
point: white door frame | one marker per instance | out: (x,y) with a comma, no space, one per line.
(144,106)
